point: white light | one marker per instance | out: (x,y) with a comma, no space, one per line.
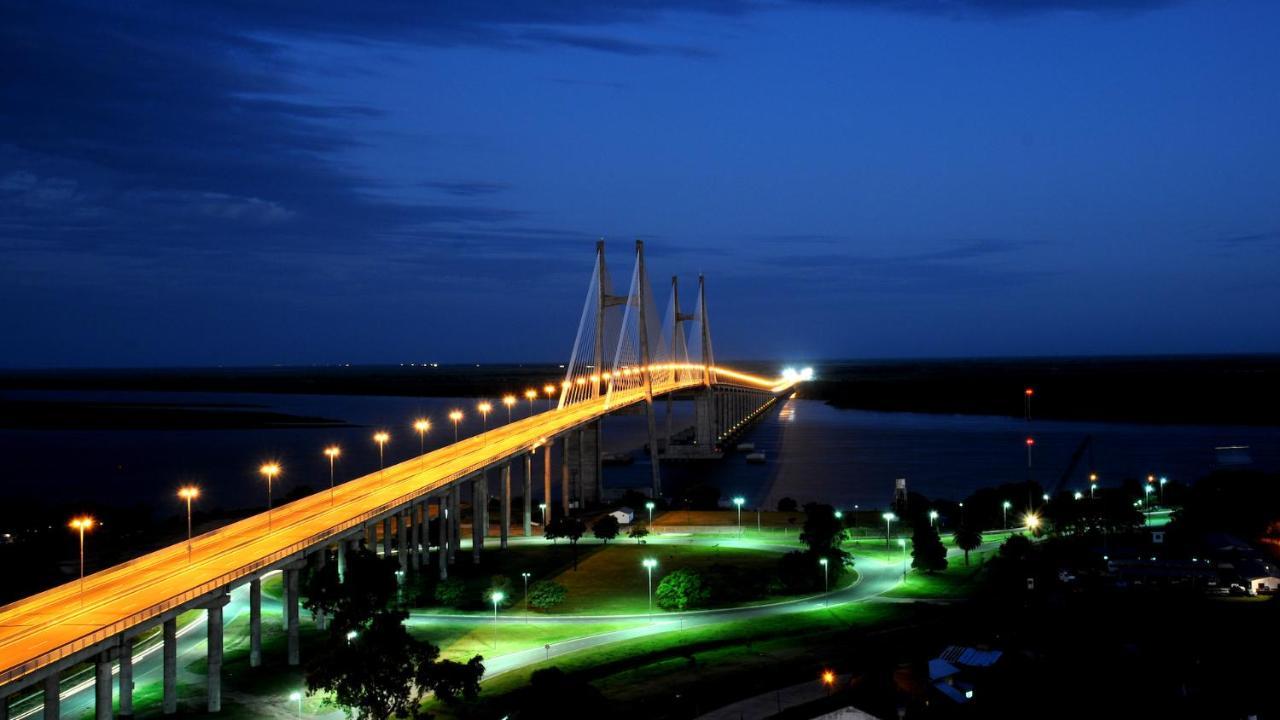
(806,374)
(789,374)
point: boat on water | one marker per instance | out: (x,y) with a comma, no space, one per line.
(755,457)
(745,447)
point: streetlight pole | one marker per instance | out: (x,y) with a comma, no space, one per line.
(1004,511)
(550,390)
(542,510)
(933,518)
(270,470)
(456,417)
(297,697)
(422,425)
(826,586)
(525,575)
(497,598)
(1027,403)
(508,400)
(737,501)
(649,565)
(1093,483)
(1163,480)
(530,395)
(484,408)
(888,525)
(82,523)
(333,451)
(381,437)
(649,506)
(189,493)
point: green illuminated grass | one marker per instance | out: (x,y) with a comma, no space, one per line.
(460,642)
(956,581)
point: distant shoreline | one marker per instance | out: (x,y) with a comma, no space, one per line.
(1197,390)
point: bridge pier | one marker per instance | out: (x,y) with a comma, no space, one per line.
(455,521)
(504,523)
(584,463)
(255,622)
(477,518)
(527,516)
(342,560)
(126,677)
(564,474)
(546,482)
(102,686)
(386,537)
(442,530)
(402,552)
(290,613)
(214,649)
(169,701)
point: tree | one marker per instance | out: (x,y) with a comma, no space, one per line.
(451,680)
(546,594)
(606,528)
(369,585)
(570,528)
(451,592)
(787,504)
(681,590)
(927,551)
(638,533)
(822,530)
(967,538)
(499,584)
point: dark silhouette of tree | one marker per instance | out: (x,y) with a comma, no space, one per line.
(606,528)
(569,528)
(553,694)
(967,538)
(638,533)
(927,551)
(370,585)
(787,504)
(822,530)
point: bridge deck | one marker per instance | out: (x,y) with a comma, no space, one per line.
(57,624)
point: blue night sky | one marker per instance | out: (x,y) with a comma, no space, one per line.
(254,182)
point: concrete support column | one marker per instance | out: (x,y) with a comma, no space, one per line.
(415,535)
(126,677)
(291,612)
(527,516)
(170,697)
(477,519)
(371,536)
(442,530)
(504,522)
(284,603)
(564,474)
(102,687)
(455,520)
(214,677)
(52,697)
(342,561)
(386,538)
(255,622)
(546,483)
(4,708)
(402,541)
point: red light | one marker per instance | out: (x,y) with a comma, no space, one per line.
(1029,392)
(1030,442)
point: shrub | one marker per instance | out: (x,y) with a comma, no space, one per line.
(451,592)
(546,594)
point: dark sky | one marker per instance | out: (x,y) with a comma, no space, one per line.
(257,182)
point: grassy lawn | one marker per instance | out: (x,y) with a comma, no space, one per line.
(956,581)
(460,642)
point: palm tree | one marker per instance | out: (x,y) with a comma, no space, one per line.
(967,538)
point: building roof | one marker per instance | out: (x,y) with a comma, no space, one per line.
(970,657)
(939,669)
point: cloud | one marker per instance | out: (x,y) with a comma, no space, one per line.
(466,188)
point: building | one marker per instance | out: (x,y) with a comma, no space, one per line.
(624,515)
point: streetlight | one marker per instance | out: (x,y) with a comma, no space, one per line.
(270,470)
(1163,480)
(649,506)
(888,523)
(189,493)
(1093,483)
(297,697)
(525,575)
(456,417)
(1004,512)
(649,565)
(829,680)
(1032,521)
(508,400)
(422,426)
(550,390)
(381,437)
(497,598)
(1147,490)
(484,409)
(82,523)
(839,515)
(737,501)
(542,513)
(332,452)
(1027,403)
(1078,495)
(903,544)
(826,586)
(933,517)
(530,395)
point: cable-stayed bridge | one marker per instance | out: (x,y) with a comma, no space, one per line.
(621,358)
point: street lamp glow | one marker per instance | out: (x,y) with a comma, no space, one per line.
(508,400)
(649,564)
(422,426)
(826,586)
(270,471)
(188,493)
(550,390)
(456,417)
(839,515)
(649,506)
(526,577)
(1031,520)
(933,517)
(888,525)
(1004,511)
(737,501)
(530,395)
(1078,495)
(296,696)
(381,437)
(497,597)
(332,452)
(82,524)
